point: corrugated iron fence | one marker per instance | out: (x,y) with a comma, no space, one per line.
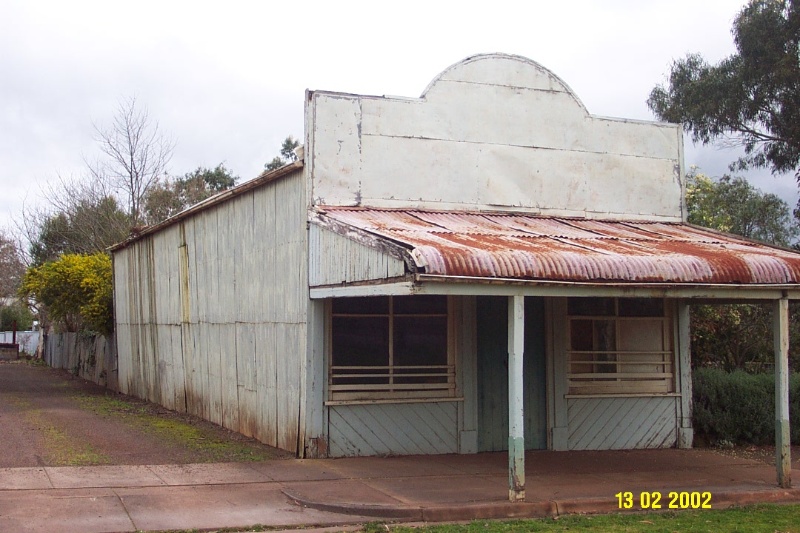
(92,357)
(27,340)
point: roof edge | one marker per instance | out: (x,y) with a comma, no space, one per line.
(262,179)
(366,238)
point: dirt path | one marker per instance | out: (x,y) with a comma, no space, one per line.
(50,418)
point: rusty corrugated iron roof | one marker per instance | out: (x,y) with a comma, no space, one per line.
(531,247)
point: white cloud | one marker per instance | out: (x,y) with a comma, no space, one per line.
(227,80)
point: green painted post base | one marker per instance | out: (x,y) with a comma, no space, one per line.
(516,469)
(783,454)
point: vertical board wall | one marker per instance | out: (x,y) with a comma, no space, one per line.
(492,374)
(211,313)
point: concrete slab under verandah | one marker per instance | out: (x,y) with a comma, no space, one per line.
(463,487)
(323,492)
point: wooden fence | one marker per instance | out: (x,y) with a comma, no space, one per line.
(92,357)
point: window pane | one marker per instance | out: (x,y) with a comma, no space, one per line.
(360,341)
(581,335)
(641,307)
(605,335)
(591,306)
(420,341)
(427,305)
(366,305)
(642,335)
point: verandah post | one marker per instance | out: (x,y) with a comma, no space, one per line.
(783,459)
(516,430)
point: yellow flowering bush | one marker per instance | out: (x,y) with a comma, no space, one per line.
(77,290)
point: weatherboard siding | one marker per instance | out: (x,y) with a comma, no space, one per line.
(622,423)
(211,313)
(393,429)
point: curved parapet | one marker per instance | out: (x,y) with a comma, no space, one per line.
(500,69)
(493,131)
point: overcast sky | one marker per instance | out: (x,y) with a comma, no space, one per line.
(226,80)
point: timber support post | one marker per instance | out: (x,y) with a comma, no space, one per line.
(783,458)
(516,419)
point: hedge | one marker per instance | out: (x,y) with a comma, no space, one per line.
(739,408)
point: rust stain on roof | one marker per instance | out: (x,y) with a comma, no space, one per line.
(520,246)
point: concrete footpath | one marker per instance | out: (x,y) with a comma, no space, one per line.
(338,492)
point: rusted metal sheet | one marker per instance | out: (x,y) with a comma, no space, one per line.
(530,247)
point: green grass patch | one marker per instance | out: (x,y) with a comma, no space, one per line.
(63,450)
(750,519)
(60,448)
(207,442)
(25,359)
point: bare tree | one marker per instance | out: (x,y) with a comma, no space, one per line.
(136,155)
(11,265)
(77,216)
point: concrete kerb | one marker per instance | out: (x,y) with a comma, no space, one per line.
(539,509)
(394,512)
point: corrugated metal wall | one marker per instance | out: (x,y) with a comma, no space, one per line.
(211,313)
(89,357)
(336,259)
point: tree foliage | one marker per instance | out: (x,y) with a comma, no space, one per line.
(11,266)
(751,98)
(84,224)
(91,213)
(738,336)
(171,196)
(286,155)
(15,312)
(76,289)
(732,205)
(69,280)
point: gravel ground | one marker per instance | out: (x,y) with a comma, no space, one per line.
(50,418)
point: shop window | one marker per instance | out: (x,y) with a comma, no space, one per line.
(619,346)
(390,347)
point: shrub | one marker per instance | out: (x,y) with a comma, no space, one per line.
(738,407)
(16,312)
(76,289)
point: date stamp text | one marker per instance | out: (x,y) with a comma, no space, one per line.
(655,500)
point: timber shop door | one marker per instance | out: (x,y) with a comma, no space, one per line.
(492,332)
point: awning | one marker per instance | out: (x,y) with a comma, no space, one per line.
(529,247)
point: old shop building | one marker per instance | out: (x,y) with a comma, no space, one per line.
(485,267)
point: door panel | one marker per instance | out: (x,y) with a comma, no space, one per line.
(492,333)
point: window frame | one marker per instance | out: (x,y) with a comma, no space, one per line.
(392,392)
(586,369)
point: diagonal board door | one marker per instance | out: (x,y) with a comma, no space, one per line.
(492,333)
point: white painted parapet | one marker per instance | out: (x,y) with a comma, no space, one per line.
(492,132)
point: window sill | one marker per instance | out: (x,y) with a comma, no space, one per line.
(392,400)
(624,395)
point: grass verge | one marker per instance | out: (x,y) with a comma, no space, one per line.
(206,441)
(750,519)
(61,449)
